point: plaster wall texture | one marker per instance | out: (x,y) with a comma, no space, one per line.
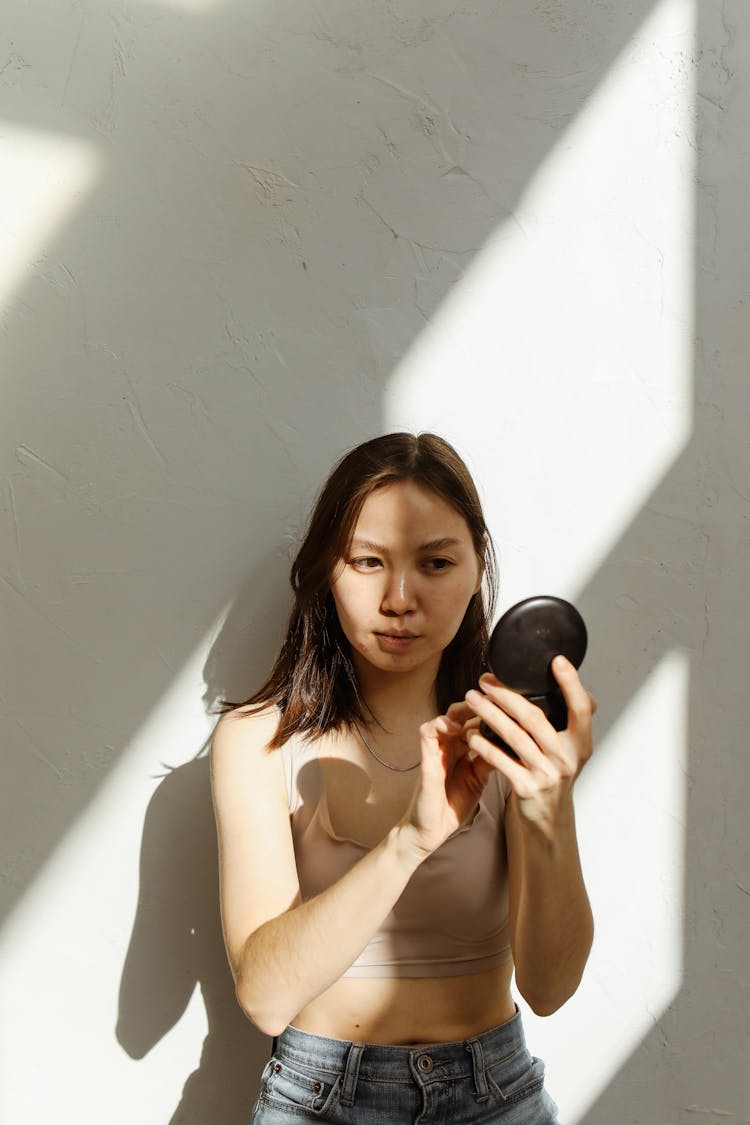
(239,239)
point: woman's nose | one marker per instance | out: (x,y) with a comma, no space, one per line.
(399,592)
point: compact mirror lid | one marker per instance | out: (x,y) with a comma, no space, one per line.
(528,636)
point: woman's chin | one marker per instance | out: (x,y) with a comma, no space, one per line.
(388,659)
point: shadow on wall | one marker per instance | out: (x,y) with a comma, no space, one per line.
(177,945)
(177,941)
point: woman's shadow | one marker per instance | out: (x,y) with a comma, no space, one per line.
(177,944)
(177,940)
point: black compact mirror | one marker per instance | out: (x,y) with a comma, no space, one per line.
(522,646)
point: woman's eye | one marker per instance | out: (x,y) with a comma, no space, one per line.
(362,563)
(446,562)
(372,562)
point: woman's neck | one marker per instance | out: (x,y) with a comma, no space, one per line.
(400,701)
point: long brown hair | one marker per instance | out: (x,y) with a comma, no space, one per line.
(313,681)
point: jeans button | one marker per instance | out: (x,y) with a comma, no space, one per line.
(425,1064)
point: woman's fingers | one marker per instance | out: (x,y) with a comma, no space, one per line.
(460,712)
(580,703)
(571,748)
(496,758)
(549,760)
(519,723)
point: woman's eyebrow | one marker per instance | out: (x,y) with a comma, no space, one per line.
(432,545)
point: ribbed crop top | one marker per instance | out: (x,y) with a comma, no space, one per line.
(452,916)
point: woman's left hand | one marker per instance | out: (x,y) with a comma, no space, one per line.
(549,760)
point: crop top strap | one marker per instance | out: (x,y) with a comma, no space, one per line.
(294,753)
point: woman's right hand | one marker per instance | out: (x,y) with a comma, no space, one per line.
(452,778)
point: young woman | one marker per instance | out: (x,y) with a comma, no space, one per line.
(383,867)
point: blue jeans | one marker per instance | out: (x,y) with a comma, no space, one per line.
(488,1078)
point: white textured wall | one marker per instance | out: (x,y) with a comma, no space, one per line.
(236,240)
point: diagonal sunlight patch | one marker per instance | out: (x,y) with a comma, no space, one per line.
(631,813)
(86,882)
(561,363)
(45,177)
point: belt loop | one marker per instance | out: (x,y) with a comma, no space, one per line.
(480,1078)
(351,1073)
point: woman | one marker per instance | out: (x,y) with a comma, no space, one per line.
(373,933)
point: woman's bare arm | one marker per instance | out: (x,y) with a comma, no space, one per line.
(292,959)
(551,924)
(284,952)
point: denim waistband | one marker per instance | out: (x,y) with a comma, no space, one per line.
(398,1063)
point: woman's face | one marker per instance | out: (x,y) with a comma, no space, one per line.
(411,568)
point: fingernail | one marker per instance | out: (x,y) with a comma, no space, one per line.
(562,661)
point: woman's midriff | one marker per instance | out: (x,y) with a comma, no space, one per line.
(411,1011)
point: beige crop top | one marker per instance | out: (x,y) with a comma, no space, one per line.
(452,916)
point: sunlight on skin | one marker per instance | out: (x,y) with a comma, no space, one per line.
(45,179)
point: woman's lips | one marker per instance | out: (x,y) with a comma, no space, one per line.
(396,642)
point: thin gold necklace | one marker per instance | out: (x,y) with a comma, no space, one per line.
(400,769)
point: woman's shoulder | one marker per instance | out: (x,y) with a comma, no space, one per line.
(261,715)
(249,725)
(259,709)
(259,723)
